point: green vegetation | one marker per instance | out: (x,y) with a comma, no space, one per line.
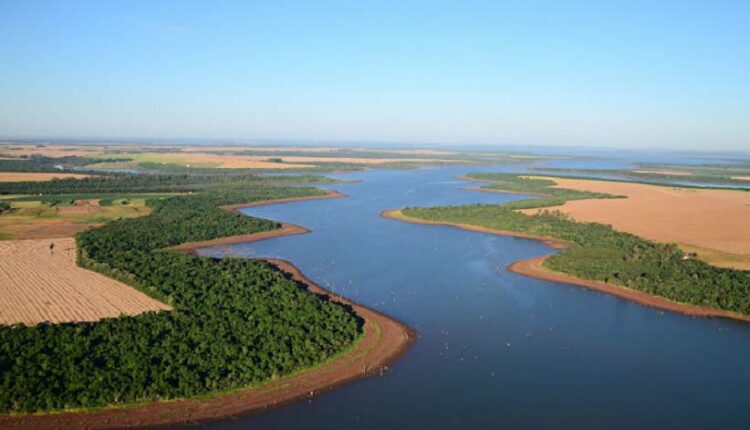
(235,323)
(131,183)
(541,187)
(48,164)
(4,206)
(599,252)
(697,175)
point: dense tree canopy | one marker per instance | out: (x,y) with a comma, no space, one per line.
(156,183)
(235,323)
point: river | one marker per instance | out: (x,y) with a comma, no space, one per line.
(495,349)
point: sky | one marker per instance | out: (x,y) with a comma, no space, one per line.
(634,74)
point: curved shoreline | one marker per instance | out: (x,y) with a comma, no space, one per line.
(384,340)
(533,268)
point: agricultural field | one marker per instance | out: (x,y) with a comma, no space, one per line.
(713,223)
(40,281)
(161,158)
(37,219)
(37,177)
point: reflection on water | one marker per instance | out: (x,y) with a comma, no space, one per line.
(495,349)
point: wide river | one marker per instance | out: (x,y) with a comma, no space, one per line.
(495,349)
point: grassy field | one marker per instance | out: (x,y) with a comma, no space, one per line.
(31,218)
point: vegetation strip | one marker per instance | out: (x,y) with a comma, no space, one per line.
(255,319)
(597,252)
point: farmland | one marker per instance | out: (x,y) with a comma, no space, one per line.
(26,176)
(713,223)
(41,283)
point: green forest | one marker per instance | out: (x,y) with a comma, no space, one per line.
(236,322)
(597,251)
(156,183)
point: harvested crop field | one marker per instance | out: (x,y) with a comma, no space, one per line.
(663,172)
(41,229)
(716,221)
(49,151)
(38,285)
(197,159)
(36,177)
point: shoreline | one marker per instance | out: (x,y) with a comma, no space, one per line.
(384,341)
(532,267)
(330,194)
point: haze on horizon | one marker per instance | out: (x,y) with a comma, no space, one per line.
(671,74)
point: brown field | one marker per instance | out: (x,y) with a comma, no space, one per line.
(50,151)
(714,223)
(355,160)
(259,148)
(37,285)
(36,177)
(198,159)
(664,172)
(741,178)
(231,161)
(303,149)
(207,158)
(42,229)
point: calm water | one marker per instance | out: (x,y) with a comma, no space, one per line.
(495,349)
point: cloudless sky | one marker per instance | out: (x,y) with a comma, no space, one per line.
(653,74)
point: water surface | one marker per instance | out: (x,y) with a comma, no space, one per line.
(495,349)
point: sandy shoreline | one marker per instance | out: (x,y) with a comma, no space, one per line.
(384,341)
(532,267)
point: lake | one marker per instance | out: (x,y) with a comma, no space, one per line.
(495,349)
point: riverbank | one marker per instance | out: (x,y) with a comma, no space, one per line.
(384,340)
(330,194)
(534,268)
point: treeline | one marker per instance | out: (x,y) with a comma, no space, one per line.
(535,186)
(698,176)
(235,323)
(38,163)
(599,252)
(122,183)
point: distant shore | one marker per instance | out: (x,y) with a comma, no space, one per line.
(330,194)
(383,342)
(533,267)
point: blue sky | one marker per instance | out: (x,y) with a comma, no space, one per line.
(652,74)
